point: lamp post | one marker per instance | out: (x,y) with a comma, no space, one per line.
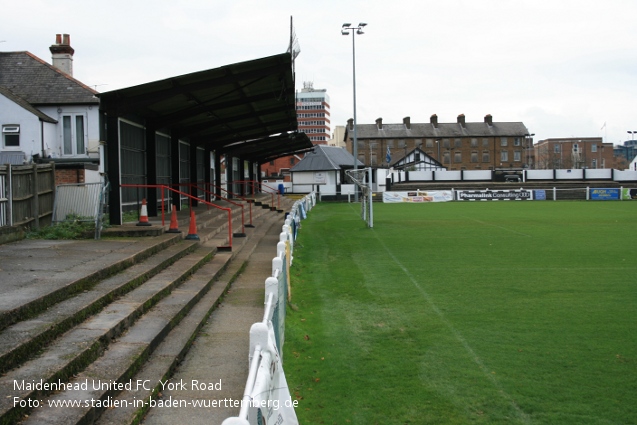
(632,133)
(346,29)
(438,145)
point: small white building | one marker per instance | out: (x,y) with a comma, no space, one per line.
(323,171)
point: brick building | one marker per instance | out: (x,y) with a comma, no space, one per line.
(462,145)
(574,153)
(313,117)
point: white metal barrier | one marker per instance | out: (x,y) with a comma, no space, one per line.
(266,395)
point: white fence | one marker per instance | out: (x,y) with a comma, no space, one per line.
(266,398)
(525,175)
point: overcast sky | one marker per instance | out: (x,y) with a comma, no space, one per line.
(565,68)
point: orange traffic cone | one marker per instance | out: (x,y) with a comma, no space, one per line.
(143,215)
(192,231)
(174,227)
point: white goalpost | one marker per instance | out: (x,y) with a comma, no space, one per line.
(362,178)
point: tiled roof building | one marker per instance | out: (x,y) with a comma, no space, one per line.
(458,146)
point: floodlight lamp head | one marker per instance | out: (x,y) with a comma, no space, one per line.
(347,25)
(360,31)
(344,32)
(362,24)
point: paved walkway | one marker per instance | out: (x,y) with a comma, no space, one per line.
(220,353)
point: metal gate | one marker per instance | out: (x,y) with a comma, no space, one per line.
(80,202)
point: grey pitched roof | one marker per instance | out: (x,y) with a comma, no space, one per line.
(325,158)
(26,105)
(39,83)
(444,130)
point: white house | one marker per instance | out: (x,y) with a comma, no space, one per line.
(323,170)
(44,111)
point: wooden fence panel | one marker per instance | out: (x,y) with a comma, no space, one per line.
(26,195)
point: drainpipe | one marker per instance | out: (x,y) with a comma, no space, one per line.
(42,137)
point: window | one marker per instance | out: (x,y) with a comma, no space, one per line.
(485,156)
(457,157)
(516,141)
(474,143)
(417,156)
(445,157)
(445,143)
(73,137)
(457,143)
(517,156)
(504,156)
(474,156)
(594,163)
(594,148)
(575,147)
(292,160)
(11,136)
(485,143)
(557,149)
(429,143)
(503,141)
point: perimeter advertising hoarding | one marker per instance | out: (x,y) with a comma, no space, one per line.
(418,196)
(604,194)
(494,195)
(628,194)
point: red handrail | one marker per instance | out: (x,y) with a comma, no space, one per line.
(191,185)
(260,189)
(162,187)
(226,199)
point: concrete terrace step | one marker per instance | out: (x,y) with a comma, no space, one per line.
(173,349)
(205,216)
(114,343)
(78,347)
(25,338)
(54,278)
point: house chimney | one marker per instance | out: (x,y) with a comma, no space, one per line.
(407,122)
(62,54)
(379,123)
(488,119)
(434,120)
(461,120)
(350,123)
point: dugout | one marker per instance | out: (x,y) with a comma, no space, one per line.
(177,130)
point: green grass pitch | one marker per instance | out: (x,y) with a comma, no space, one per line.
(465,313)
